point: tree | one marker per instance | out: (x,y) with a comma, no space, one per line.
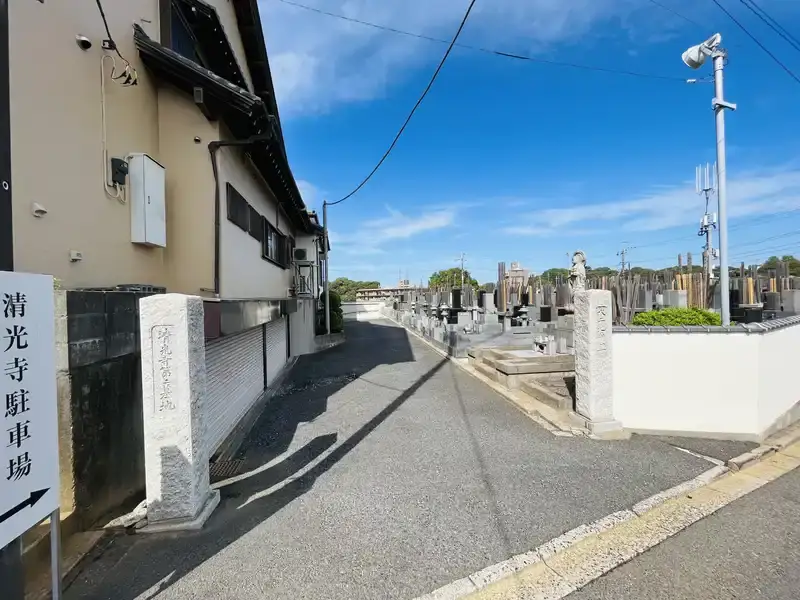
(452,278)
(489,287)
(552,275)
(604,271)
(347,288)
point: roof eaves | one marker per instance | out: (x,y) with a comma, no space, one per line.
(191,73)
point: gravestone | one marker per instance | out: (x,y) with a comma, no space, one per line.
(176,444)
(562,295)
(593,363)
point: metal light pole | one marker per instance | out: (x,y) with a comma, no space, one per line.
(327,275)
(694,57)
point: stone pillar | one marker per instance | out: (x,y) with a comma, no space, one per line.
(594,400)
(179,495)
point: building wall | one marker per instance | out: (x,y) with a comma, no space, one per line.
(58,162)
(56,141)
(244,274)
(190,192)
(302,325)
(729,385)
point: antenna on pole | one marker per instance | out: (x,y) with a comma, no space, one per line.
(462,259)
(622,254)
(706,185)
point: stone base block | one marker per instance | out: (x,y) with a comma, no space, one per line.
(604,430)
(176,525)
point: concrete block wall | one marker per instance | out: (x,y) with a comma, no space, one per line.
(725,382)
(362,311)
(100,401)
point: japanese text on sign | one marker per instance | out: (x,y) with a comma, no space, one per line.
(16,350)
(162,368)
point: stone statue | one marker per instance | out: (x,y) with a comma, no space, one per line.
(577,278)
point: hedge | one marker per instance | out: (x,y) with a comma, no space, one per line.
(671,317)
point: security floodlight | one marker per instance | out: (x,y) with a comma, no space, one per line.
(695,56)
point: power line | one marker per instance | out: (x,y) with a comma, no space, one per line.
(413,110)
(771,23)
(755,39)
(676,13)
(512,55)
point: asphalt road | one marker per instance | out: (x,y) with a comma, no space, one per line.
(384,471)
(749,550)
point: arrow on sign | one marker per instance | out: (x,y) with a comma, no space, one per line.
(33,499)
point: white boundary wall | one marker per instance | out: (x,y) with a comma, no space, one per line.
(738,383)
(362,311)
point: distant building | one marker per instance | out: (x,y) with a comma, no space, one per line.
(517,276)
(371,295)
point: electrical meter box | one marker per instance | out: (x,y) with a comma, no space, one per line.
(147,197)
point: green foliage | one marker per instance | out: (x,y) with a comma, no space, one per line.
(336,301)
(489,287)
(337,322)
(337,316)
(601,272)
(451,277)
(552,274)
(672,317)
(347,288)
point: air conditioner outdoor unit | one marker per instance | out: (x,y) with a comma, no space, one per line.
(300,254)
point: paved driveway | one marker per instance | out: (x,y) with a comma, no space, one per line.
(384,471)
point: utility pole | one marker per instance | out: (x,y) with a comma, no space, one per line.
(694,58)
(622,253)
(462,258)
(325,281)
(705,183)
(720,105)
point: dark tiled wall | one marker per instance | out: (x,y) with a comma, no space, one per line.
(107,426)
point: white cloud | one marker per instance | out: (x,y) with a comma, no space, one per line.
(749,193)
(370,236)
(319,61)
(312,195)
(399,226)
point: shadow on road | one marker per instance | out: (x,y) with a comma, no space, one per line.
(144,566)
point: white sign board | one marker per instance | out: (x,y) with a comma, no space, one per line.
(29,471)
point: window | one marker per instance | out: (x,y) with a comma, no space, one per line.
(238,208)
(275,245)
(256,228)
(182,38)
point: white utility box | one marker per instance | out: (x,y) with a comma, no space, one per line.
(146,194)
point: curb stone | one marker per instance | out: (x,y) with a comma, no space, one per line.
(774,443)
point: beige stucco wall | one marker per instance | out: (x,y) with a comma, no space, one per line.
(190,192)
(244,274)
(56,141)
(57,160)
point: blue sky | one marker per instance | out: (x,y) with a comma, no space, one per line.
(516,161)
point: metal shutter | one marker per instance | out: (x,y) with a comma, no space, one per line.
(234,380)
(276,348)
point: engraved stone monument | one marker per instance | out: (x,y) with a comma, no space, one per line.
(179,495)
(594,399)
